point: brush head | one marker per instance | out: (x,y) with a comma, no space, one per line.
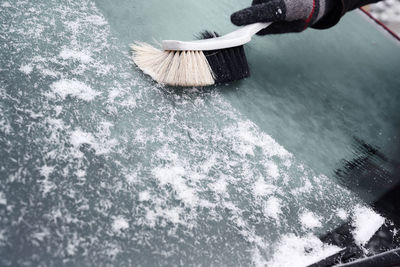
(227,65)
(192,68)
(176,68)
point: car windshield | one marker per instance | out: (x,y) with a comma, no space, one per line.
(100,165)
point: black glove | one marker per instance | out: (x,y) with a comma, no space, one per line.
(287,15)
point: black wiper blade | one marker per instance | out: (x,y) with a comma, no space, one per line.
(387,259)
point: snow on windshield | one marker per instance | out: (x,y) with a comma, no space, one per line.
(99,164)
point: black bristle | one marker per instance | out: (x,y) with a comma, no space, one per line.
(207,35)
(228,64)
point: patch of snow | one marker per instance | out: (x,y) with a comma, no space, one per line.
(96,20)
(257,259)
(79,137)
(84,57)
(101,144)
(309,220)
(48,72)
(3,199)
(151,218)
(113,93)
(173,215)
(112,251)
(272,208)
(342,214)
(144,196)
(40,236)
(220,186)
(74,88)
(80,173)
(119,224)
(131,178)
(3,237)
(46,171)
(174,177)
(261,188)
(272,169)
(58,110)
(27,69)
(167,175)
(365,222)
(47,186)
(55,123)
(250,138)
(72,248)
(6,4)
(300,251)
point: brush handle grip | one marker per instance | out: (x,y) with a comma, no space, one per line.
(248,30)
(237,38)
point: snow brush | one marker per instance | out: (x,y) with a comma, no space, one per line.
(214,59)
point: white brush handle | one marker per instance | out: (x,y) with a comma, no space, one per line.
(236,38)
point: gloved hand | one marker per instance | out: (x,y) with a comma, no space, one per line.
(287,15)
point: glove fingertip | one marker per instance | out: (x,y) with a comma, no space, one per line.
(237,18)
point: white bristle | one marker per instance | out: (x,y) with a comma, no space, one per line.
(176,68)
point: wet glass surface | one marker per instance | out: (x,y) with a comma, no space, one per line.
(99,165)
